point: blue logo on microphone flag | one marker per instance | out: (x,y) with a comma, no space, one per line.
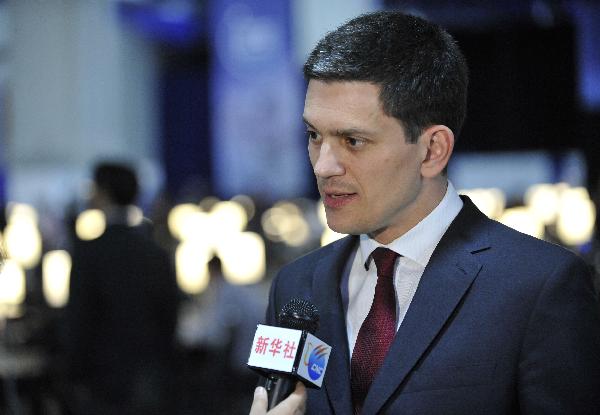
(315,356)
(256,101)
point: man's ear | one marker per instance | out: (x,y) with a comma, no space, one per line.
(437,142)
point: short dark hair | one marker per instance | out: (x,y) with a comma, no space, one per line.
(422,73)
(118,181)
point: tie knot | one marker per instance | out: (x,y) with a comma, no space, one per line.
(384,261)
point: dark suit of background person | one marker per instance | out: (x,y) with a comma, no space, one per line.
(122,309)
(500,322)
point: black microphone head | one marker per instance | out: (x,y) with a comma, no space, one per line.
(299,314)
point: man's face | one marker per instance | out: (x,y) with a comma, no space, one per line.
(368,176)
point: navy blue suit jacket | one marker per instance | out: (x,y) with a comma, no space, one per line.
(501,323)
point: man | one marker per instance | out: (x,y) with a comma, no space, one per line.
(122,310)
(431,307)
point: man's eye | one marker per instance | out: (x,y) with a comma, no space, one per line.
(312,135)
(354,142)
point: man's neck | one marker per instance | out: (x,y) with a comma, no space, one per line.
(429,198)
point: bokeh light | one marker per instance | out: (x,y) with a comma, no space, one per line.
(90,224)
(523,220)
(12,287)
(227,218)
(328,235)
(490,201)
(543,200)
(17,211)
(285,222)
(207,203)
(22,238)
(247,203)
(196,225)
(181,216)
(191,264)
(135,216)
(243,258)
(576,216)
(56,270)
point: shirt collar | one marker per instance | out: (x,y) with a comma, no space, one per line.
(419,242)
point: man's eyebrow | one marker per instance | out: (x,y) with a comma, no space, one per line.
(352,131)
(342,132)
(308,124)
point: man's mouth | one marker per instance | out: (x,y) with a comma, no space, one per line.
(338,200)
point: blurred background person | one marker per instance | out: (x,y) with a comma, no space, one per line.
(219,326)
(122,310)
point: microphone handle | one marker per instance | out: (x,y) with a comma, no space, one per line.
(278,388)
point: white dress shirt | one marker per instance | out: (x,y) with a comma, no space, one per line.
(415,247)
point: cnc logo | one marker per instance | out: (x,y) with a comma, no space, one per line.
(316,361)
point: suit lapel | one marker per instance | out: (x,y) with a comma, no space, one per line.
(446,279)
(332,325)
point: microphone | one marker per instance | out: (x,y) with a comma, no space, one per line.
(290,352)
(299,315)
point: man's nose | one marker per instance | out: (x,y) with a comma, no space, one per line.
(328,162)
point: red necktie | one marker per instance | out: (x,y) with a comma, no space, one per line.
(377,331)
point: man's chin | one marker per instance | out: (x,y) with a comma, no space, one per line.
(346,229)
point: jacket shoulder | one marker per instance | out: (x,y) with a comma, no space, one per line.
(520,244)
